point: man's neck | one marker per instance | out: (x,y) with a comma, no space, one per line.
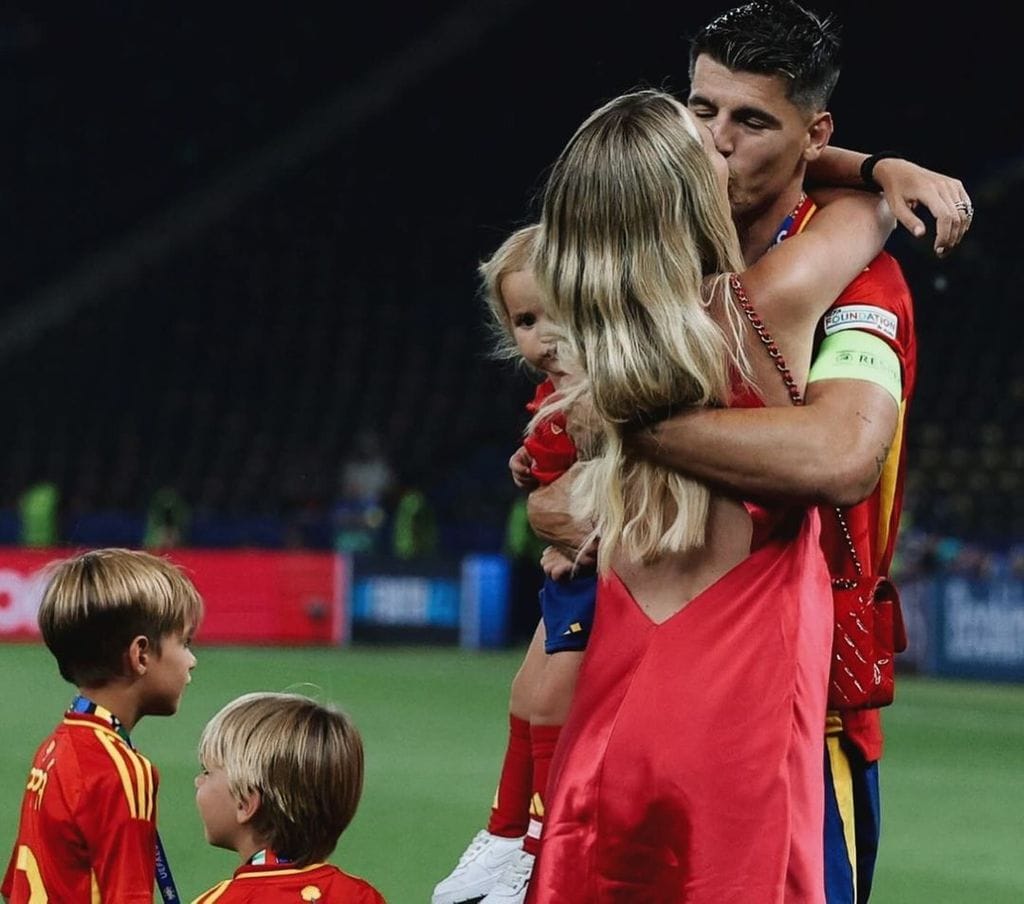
(757,229)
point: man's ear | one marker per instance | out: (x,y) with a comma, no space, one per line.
(138,655)
(247,807)
(819,134)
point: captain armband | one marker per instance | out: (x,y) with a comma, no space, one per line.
(856,355)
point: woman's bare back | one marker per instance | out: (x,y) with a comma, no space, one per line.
(664,587)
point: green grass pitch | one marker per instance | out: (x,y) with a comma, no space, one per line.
(434,722)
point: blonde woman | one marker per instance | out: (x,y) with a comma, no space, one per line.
(673,777)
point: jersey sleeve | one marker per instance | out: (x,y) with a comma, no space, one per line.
(877,302)
(213,894)
(118,820)
(549,444)
(370,895)
(552,450)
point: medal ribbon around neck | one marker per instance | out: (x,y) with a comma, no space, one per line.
(164,879)
(795,219)
(266,857)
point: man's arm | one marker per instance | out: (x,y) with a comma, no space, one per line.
(905,185)
(829,450)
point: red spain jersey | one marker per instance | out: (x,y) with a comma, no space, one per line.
(87,833)
(549,444)
(280,884)
(878,302)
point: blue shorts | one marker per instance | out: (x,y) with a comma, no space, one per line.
(852,822)
(567,608)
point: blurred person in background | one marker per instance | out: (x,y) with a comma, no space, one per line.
(39,511)
(414,531)
(167,520)
(366,485)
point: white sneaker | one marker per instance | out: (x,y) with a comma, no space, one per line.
(514,882)
(478,869)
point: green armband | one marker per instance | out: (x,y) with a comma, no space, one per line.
(856,355)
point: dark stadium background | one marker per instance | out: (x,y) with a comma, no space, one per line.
(238,234)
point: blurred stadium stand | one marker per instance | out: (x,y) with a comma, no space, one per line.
(965,442)
(225,266)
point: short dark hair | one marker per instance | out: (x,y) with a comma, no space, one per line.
(776,37)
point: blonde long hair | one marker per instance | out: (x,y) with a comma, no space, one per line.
(633,222)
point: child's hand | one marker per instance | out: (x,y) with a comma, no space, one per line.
(521,464)
(556,564)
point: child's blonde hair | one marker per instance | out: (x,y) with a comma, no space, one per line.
(513,255)
(306,761)
(96,602)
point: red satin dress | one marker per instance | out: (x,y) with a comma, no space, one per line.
(689,769)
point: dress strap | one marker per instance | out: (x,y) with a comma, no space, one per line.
(774,352)
(797,398)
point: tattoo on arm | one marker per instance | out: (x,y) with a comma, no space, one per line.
(880,461)
(881,458)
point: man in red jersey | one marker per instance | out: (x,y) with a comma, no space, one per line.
(867,360)
(760,79)
(119,624)
(860,384)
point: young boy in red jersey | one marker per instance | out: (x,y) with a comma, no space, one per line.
(119,624)
(281,779)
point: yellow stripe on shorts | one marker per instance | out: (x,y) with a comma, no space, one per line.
(842,784)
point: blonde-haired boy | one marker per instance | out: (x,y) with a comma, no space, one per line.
(281,779)
(120,624)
